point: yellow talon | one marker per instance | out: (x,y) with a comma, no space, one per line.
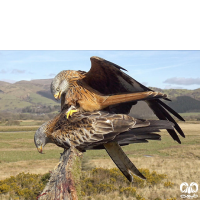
(69,113)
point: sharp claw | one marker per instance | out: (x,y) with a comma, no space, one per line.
(69,113)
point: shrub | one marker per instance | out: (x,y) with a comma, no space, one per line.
(168,184)
(96,181)
(104,181)
(24,185)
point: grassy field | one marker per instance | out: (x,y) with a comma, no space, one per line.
(179,162)
(189,114)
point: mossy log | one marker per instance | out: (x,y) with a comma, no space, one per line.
(64,183)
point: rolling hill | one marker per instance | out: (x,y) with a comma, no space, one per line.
(15,97)
(35,96)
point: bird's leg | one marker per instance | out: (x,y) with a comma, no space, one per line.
(70,111)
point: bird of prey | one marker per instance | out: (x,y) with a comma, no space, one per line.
(100,130)
(71,86)
(106,86)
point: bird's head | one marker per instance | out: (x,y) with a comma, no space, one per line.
(59,85)
(40,138)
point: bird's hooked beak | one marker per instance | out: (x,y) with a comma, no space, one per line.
(39,149)
(57,95)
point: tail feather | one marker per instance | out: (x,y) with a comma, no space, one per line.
(168,116)
(123,98)
(122,161)
(162,114)
(131,139)
(170,109)
(145,132)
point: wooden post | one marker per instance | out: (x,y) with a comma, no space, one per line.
(64,183)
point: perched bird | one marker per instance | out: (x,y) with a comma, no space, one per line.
(100,130)
(107,87)
(69,85)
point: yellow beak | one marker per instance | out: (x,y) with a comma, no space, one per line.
(39,149)
(57,95)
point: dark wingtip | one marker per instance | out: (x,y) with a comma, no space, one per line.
(167,99)
(170,109)
(179,141)
(174,135)
(103,60)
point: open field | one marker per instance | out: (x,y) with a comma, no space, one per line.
(189,114)
(179,162)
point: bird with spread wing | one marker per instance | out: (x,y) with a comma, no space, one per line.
(100,130)
(106,86)
(105,94)
(71,86)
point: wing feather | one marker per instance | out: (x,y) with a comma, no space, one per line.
(105,127)
(108,78)
(122,161)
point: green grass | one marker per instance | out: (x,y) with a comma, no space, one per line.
(24,140)
(190,114)
(31,123)
(18,128)
(36,98)
(150,148)
(17,135)
(10,104)
(14,156)
(22,148)
(24,144)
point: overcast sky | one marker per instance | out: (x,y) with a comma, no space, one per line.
(162,69)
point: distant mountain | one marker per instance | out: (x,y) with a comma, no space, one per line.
(14,97)
(174,93)
(184,104)
(35,95)
(181,104)
(3,83)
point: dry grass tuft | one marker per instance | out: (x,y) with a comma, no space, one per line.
(178,170)
(35,167)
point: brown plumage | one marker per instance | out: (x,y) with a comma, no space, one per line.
(79,93)
(101,130)
(106,86)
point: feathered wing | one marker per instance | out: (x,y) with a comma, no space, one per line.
(122,161)
(90,130)
(108,78)
(102,130)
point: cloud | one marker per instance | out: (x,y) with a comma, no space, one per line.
(18,71)
(183,81)
(2,71)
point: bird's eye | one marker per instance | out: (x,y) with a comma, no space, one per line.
(57,89)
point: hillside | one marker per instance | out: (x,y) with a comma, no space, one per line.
(174,93)
(35,97)
(181,104)
(15,97)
